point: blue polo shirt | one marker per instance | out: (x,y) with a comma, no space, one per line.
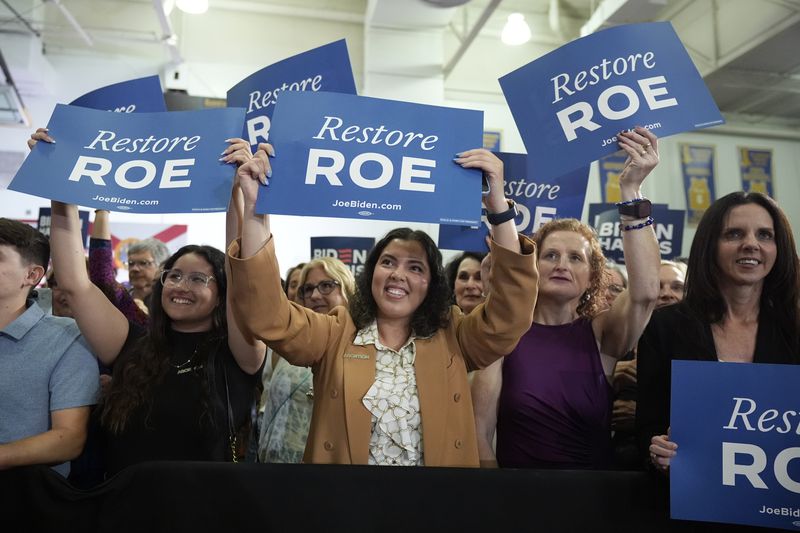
(45,365)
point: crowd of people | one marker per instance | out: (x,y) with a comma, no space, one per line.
(539,354)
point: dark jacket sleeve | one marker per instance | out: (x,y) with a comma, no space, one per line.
(653,382)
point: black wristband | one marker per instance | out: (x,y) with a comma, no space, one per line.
(640,208)
(498,218)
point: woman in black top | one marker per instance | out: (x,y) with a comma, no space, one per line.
(741,305)
(180,385)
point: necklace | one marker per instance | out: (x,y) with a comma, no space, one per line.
(191,357)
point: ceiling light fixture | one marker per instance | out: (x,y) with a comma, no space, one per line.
(193,7)
(516,30)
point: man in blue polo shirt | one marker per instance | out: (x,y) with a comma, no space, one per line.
(48,377)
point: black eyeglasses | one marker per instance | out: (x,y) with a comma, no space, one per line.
(324,287)
(195,280)
(140,264)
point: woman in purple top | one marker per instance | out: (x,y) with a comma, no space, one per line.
(550,399)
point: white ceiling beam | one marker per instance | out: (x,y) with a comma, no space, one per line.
(473,33)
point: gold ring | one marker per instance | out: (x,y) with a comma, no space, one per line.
(646,146)
(644,153)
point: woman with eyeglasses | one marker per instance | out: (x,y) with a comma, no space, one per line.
(323,284)
(182,386)
(390,371)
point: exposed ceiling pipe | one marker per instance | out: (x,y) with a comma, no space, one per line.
(554,15)
(73,22)
(21,19)
(473,33)
(168,36)
(292,11)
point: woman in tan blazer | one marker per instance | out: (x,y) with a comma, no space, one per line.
(390,373)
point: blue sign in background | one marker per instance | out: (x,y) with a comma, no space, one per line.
(46,171)
(142,95)
(668,225)
(538,201)
(352,251)
(703,403)
(326,68)
(535,99)
(301,116)
(45,219)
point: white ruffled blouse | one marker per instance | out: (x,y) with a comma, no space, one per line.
(394,403)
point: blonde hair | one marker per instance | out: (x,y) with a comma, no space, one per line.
(336,270)
(593,300)
(677,264)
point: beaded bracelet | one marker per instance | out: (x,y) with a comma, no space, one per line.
(644,224)
(631,202)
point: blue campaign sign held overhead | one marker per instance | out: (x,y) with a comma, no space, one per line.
(134,162)
(345,156)
(570,104)
(538,201)
(326,68)
(737,428)
(142,95)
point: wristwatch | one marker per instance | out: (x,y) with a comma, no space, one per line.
(637,209)
(498,218)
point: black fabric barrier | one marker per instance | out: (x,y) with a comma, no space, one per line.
(223,497)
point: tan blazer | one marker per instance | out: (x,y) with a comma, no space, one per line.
(343,373)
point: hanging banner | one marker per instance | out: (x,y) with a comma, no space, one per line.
(738,433)
(326,68)
(142,95)
(611,167)
(491,140)
(538,201)
(134,162)
(123,234)
(352,251)
(45,219)
(346,156)
(697,166)
(570,104)
(756,168)
(668,225)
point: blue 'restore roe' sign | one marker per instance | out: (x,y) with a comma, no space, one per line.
(326,68)
(570,104)
(142,95)
(346,156)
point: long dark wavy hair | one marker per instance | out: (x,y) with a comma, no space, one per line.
(592,301)
(781,289)
(434,311)
(133,381)
(451,270)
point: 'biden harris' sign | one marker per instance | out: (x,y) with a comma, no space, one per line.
(326,68)
(570,104)
(134,162)
(738,431)
(345,156)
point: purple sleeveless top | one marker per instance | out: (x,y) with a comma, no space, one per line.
(555,404)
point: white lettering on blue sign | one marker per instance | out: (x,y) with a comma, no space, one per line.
(95,168)
(619,66)
(150,144)
(570,123)
(373,135)
(409,169)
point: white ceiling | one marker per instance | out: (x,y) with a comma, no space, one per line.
(747,50)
